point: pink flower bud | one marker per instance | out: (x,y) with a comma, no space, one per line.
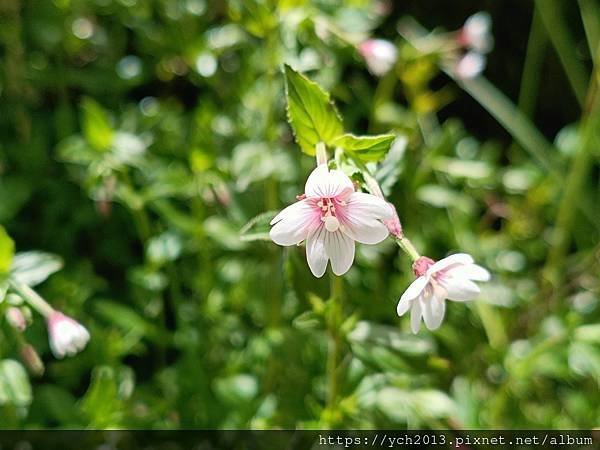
(32,360)
(66,335)
(475,33)
(470,65)
(393,225)
(421,265)
(16,319)
(380,55)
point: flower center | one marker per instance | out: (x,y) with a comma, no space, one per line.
(328,214)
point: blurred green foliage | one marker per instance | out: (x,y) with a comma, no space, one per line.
(142,140)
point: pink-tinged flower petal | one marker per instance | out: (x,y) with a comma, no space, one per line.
(414,290)
(460,289)
(366,231)
(469,271)
(361,204)
(327,184)
(291,226)
(415,316)
(457,259)
(316,255)
(433,312)
(362,217)
(340,250)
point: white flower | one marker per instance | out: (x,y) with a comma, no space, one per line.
(330,216)
(380,55)
(66,335)
(451,278)
(476,34)
(470,65)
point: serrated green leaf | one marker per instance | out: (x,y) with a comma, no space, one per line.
(7,250)
(96,125)
(367,148)
(311,113)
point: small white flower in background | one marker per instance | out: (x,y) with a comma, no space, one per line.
(476,33)
(450,278)
(380,55)
(66,335)
(330,216)
(470,65)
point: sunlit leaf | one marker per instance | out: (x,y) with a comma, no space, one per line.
(311,112)
(367,148)
(96,125)
(7,250)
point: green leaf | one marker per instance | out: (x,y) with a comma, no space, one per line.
(96,125)
(7,250)
(32,268)
(367,148)
(14,384)
(311,113)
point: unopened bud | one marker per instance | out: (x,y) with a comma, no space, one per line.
(32,360)
(16,319)
(393,225)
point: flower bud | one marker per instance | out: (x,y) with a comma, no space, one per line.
(470,65)
(380,55)
(32,360)
(16,319)
(475,33)
(66,335)
(393,225)
(421,265)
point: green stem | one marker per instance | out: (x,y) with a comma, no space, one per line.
(590,15)
(558,32)
(530,79)
(335,347)
(32,297)
(408,248)
(574,183)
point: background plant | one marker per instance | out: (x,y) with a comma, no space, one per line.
(141,140)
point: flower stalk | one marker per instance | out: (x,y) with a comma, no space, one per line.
(32,297)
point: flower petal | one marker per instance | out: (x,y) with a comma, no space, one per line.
(403,305)
(360,204)
(316,255)
(361,218)
(457,259)
(433,312)
(460,289)
(415,316)
(366,231)
(291,226)
(415,289)
(325,183)
(340,250)
(471,272)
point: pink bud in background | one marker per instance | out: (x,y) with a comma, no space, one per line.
(66,335)
(32,360)
(16,319)
(470,65)
(380,55)
(475,33)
